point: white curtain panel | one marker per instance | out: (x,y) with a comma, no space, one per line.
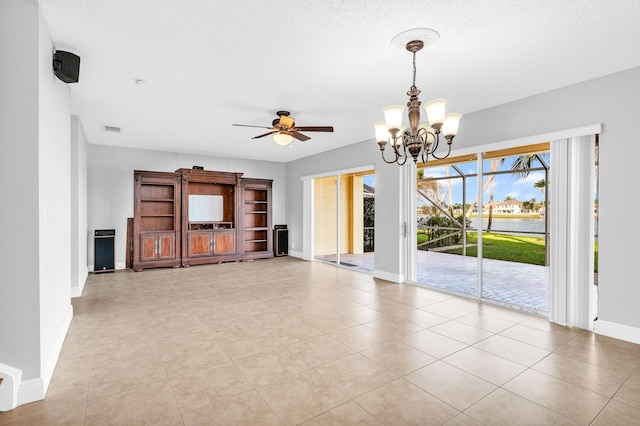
(571,236)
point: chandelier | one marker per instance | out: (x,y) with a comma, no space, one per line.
(421,139)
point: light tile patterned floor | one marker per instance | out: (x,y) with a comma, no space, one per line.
(284,341)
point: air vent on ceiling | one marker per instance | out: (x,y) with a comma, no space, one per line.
(112,129)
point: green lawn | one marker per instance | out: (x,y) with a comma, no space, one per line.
(508,247)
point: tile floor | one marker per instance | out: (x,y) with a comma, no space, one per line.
(284,341)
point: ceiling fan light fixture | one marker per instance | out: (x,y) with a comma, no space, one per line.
(282,138)
(283,129)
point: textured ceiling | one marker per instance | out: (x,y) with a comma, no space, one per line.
(208,63)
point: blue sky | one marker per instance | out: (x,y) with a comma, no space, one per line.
(505,185)
(370,180)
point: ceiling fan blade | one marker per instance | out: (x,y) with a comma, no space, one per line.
(315,128)
(249,125)
(266,134)
(287,121)
(299,136)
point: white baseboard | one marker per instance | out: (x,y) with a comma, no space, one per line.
(119,265)
(47,372)
(297,254)
(388,276)
(31,390)
(618,331)
(9,388)
(35,389)
(77,291)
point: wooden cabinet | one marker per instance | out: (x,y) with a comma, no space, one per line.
(156,221)
(203,244)
(157,246)
(210,216)
(192,217)
(256,202)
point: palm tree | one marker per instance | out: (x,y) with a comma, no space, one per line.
(493,166)
(522,164)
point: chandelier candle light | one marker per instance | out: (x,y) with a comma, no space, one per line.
(421,139)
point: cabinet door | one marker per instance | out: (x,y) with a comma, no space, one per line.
(148,247)
(225,243)
(166,245)
(200,244)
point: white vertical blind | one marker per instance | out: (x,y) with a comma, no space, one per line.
(571,203)
(410,228)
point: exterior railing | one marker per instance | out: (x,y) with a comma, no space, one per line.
(368,239)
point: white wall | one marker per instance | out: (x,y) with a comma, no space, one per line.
(612,100)
(110,185)
(19,214)
(79,269)
(35,248)
(54,167)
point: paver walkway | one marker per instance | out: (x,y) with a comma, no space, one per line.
(512,283)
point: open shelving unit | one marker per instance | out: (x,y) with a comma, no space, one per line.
(156,220)
(257,217)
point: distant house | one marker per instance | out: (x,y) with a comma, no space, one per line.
(368,190)
(504,207)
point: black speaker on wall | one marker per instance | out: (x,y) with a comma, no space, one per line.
(104,250)
(280,240)
(66,66)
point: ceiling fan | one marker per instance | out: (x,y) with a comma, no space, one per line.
(284,129)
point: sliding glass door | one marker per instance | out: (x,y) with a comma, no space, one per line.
(445,200)
(492,212)
(515,229)
(343,220)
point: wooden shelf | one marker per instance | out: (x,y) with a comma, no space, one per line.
(156,220)
(257,218)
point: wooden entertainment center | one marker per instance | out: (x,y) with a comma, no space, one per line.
(193,217)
